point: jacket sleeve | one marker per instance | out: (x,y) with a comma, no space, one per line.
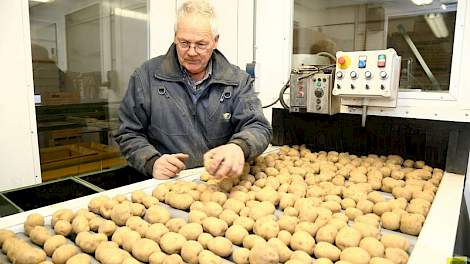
(253,131)
(133,123)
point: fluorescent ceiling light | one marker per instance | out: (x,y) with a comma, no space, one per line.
(129,14)
(42,1)
(422,2)
(437,25)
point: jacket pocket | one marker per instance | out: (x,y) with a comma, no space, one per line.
(168,117)
(219,125)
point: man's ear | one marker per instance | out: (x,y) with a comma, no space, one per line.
(216,41)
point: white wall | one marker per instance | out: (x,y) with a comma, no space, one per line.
(235,28)
(19,153)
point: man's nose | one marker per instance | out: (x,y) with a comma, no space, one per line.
(192,50)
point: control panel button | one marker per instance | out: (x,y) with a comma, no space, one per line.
(339,75)
(318,101)
(381,61)
(318,92)
(353,75)
(362,62)
(383,75)
(319,84)
(344,62)
(368,74)
(318,107)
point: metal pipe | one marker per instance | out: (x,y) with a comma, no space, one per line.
(417,54)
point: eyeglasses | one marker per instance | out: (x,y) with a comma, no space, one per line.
(198,47)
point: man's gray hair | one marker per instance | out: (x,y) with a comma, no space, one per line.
(199,7)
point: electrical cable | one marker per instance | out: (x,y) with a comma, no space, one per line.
(281,95)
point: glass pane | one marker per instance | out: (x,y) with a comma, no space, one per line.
(421,31)
(83,55)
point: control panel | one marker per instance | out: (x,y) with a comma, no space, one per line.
(367,74)
(320,99)
(311,92)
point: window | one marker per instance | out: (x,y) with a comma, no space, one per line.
(423,35)
(83,53)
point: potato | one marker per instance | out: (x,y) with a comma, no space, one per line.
(284,236)
(53,243)
(283,251)
(352,213)
(266,228)
(204,238)
(288,223)
(157,214)
(63,227)
(95,204)
(107,227)
(251,240)
(111,255)
(22,252)
(5,234)
(391,221)
(80,258)
(262,209)
(372,246)
(62,214)
(327,250)
(143,248)
(80,224)
(156,231)
(355,255)
(39,235)
(207,257)
(220,246)
(161,190)
(397,255)
(190,251)
(149,201)
(347,237)
(88,242)
(262,253)
(241,256)
(157,257)
(128,239)
(118,234)
(246,222)
(180,201)
(236,234)
(101,249)
(172,242)
(137,224)
(411,223)
(370,219)
(120,213)
(64,253)
(302,240)
(228,216)
(212,209)
(395,241)
(191,231)
(214,226)
(196,216)
(378,260)
(175,224)
(326,233)
(301,257)
(366,230)
(31,221)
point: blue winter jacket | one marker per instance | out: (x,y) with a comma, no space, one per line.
(157,115)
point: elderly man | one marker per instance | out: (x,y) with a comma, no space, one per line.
(191,105)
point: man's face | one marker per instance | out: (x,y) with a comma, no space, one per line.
(194,31)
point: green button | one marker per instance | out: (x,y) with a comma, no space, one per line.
(318,84)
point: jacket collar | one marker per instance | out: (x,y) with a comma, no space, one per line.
(222,71)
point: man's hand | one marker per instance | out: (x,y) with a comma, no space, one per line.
(168,165)
(225,161)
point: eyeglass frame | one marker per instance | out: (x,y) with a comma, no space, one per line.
(186,45)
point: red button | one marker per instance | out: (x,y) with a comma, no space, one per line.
(341,60)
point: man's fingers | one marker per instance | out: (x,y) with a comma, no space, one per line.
(181,156)
(173,160)
(224,169)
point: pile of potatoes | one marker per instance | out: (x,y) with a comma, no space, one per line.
(331,206)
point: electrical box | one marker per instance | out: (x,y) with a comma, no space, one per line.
(320,98)
(311,91)
(367,77)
